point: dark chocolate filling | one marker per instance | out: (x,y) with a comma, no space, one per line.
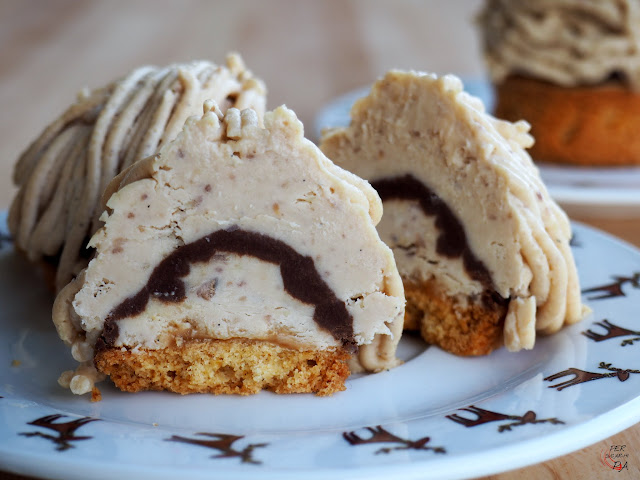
(299,275)
(452,241)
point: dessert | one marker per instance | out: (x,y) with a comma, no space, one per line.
(482,249)
(238,258)
(65,170)
(572,70)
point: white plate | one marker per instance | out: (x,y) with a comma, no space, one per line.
(582,191)
(303,436)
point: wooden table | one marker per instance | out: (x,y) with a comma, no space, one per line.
(307,52)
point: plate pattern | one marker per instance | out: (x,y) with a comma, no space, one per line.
(222,442)
(66,431)
(483,416)
(612,331)
(506,423)
(381,435)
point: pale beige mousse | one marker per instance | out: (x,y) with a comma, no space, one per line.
(63,173)
(482,248)
(237,258)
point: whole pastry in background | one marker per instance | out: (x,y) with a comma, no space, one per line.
(482,248)
(238,258)
(62,175)
(572,70)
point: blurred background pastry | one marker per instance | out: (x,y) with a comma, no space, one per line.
(572,70)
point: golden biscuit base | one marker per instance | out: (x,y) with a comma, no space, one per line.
(589,126)
(473,329)
(235,366)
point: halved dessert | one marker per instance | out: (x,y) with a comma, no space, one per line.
(482,248)
(63,173)
(238,258)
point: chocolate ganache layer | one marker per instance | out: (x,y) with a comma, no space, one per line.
(299,275)
(452,240)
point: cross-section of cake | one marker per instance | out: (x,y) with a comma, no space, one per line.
(482,248)
(238,258)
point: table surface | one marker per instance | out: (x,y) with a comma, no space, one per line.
(307,53)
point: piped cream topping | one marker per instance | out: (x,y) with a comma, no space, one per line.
(568,42)
(64,172)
